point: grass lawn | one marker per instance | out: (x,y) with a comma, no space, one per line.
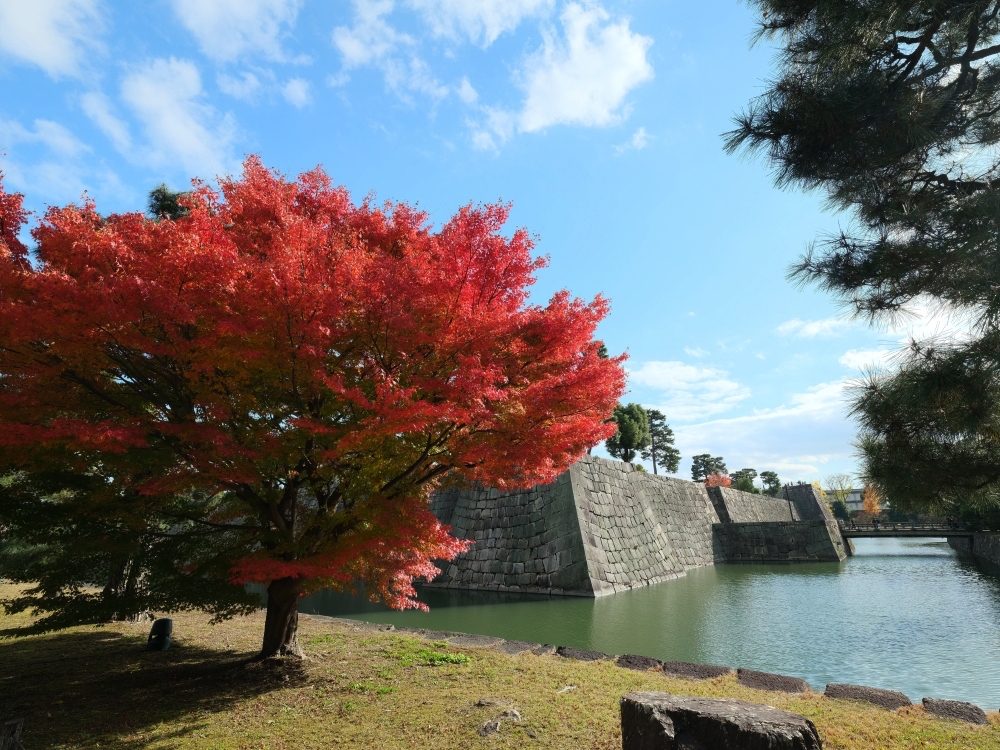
(92,687)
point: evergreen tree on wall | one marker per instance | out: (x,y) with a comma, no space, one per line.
(743,480)
(633,432)
(772,485)
(892,109)
(704,465)
(661,450)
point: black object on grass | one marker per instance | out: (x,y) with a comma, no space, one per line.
(159,636)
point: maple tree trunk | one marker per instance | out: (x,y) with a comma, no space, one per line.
(282,623)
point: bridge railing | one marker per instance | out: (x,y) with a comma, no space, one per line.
(901,526)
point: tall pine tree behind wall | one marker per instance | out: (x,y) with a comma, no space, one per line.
(890,109)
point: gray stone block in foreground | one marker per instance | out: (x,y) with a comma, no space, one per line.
(694,671)
(767,681)
(581,654)
(955,710)
(638,663)
(888,699)
(660,721)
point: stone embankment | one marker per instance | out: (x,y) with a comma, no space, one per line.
(983,544)
(603,526)
(888,699)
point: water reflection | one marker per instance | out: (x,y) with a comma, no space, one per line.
(906,614)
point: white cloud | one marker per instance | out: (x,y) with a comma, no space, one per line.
(55,35)
(51,135)
(372,41)
(690,392)
(53,164)
(296,92)
(466,92)
(638,141)
(166,97)
(99,109)
(246,87)
(867,359)
(805,439)
(481,21)
(698,352)
(227,30)
(583,79)
(808,329)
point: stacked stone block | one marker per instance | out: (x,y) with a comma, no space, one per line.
(604,527)
(781,541)
(736,506)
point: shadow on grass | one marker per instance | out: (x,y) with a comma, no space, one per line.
(83,688)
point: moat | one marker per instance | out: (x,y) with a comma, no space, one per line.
(906,614)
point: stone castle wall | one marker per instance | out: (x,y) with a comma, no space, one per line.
(603,526)
(775,541)
(734,506)
(984,545)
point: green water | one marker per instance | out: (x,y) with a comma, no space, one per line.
(905,614)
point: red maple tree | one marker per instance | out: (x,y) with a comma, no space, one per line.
(287,375)
(718,479)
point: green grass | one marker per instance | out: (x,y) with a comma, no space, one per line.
(96,687)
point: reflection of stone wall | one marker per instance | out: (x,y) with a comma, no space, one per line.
(984,545)
(604,527)
(775,541)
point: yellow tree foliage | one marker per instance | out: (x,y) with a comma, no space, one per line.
(871,499)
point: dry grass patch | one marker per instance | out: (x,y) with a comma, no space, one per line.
(94,687)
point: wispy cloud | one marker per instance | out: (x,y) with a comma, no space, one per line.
(229,30)
(689,392)
(479,21)
(55,35)
(166,98)
(639,140)
(813,328)
(371,40)
(800,439)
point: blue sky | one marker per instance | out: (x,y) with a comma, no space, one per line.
(600,121)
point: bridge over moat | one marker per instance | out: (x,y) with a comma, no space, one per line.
(871,530)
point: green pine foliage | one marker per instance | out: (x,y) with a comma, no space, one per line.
(661,450)
(633,432)
(772,485)
(704,465)
(890,109)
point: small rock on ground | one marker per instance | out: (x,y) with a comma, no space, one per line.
(490,727)
(660,720)
(581,654)
(638,663)
(695,671)
(888,699)
(955,710)
(767,681)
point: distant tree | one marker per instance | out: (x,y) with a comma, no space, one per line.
(772,485)
(705,464)
(840,510)
(633,432)
(661,448)
(718,479)
(165,203)
(839,486)
(743,480)
(872,499)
